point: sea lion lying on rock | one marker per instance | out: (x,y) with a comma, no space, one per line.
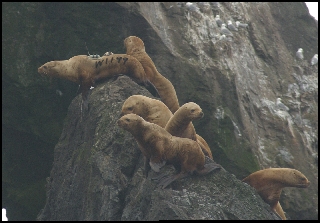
(155,111)
(85,70)
(160,147)
(135,47)
(270,182)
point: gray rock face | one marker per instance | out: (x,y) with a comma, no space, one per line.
(97,173)
(235,81)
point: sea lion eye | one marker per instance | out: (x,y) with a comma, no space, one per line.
(127,119)
(192,110)
(130,108)
(45,67)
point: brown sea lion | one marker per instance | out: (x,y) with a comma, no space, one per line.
(180,124)
(160,147)
(155,111)
(270,182)
(85,70)
(135,47)
(151,110)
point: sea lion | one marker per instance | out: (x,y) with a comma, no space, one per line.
(155,111)
(151,110)
(86,70)
(270,182)
(135,47)
(180,124)
(160,147)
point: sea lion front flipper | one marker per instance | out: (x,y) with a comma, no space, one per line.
(85,105)
(85,92)
(85,100)
(208,168)
(279,211)
(156,166)
(146,166)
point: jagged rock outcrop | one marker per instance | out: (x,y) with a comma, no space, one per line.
(235,82)
(97,173)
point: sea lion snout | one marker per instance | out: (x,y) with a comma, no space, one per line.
(40,70)
(120,122)
(307,184)
(304,184)
(43,70)
(199,115)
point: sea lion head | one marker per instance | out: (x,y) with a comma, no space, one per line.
(129,122)
(49,69)
(299,179)
(192,110)
(134,44)
(134,105)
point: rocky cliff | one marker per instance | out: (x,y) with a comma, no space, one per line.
(96,167)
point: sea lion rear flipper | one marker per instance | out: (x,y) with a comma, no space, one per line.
(202,146)
(208,168)
(159,177)
(78,90)
(168,180)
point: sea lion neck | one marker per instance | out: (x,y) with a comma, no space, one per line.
(65,72)
(180,119)
(142,130)
(136,51)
